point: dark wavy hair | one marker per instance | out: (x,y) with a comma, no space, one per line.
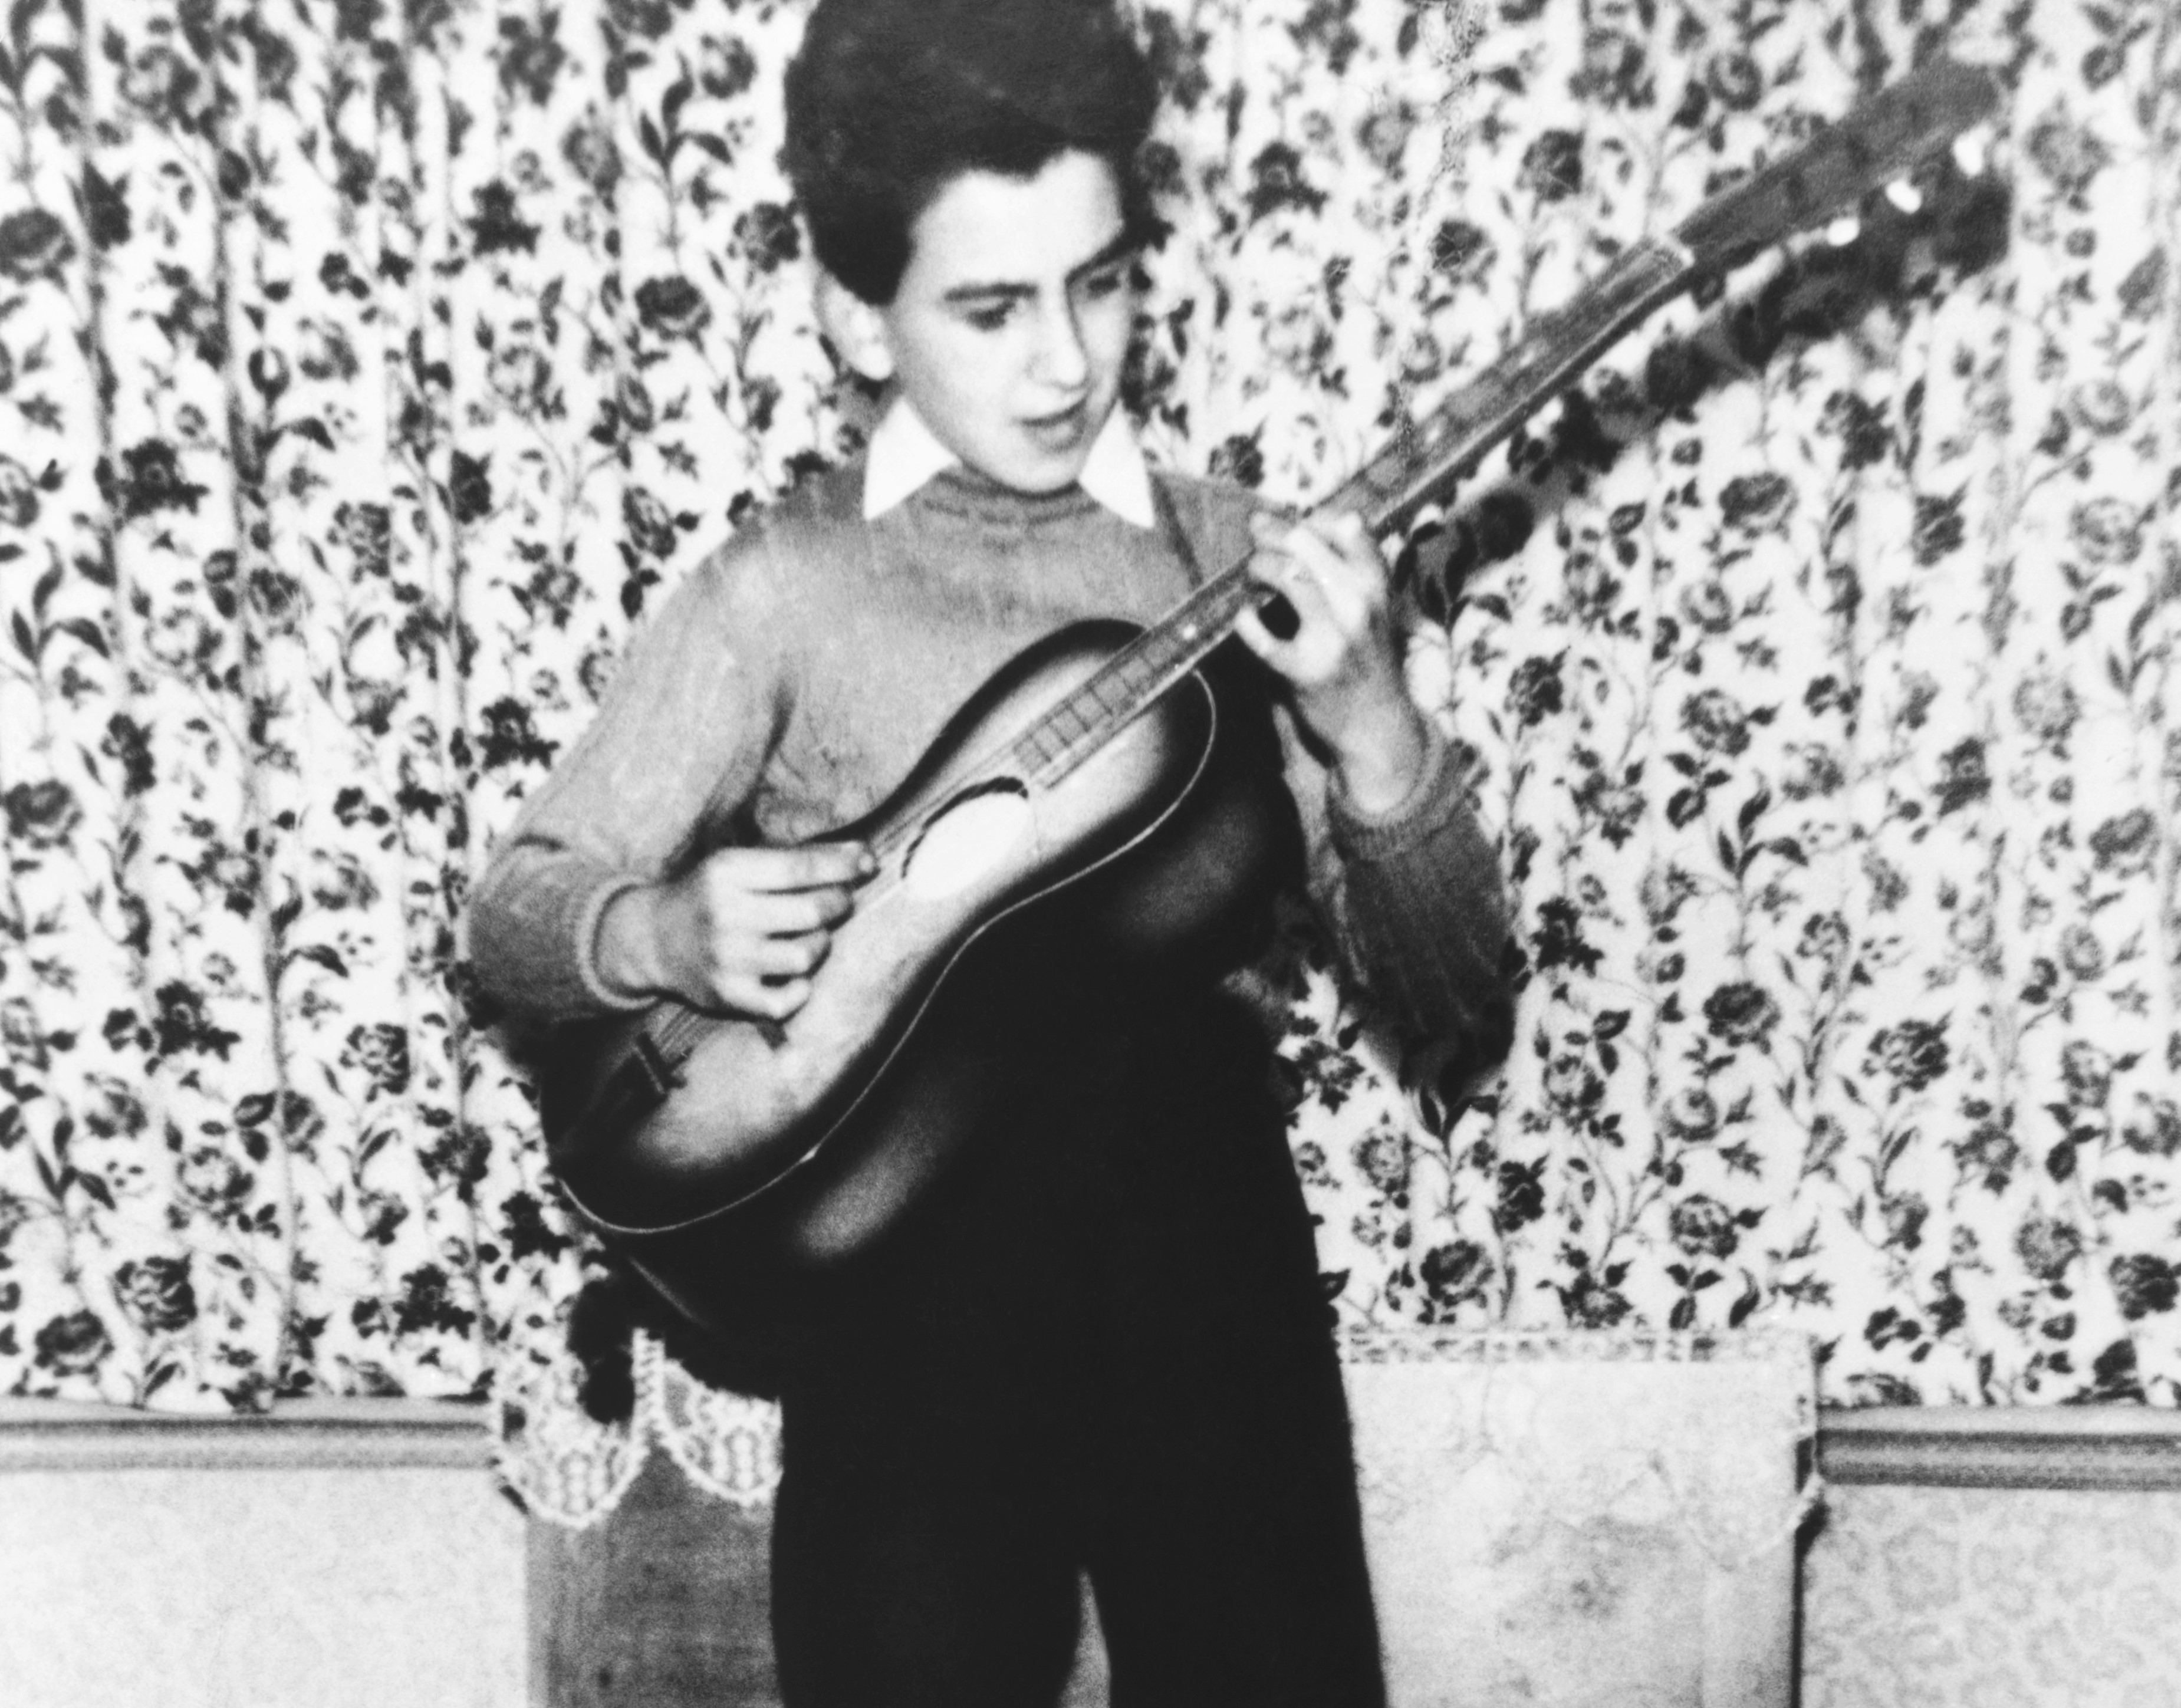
(889,101)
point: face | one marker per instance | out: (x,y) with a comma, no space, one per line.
(1011,326)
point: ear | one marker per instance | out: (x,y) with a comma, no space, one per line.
(855,328)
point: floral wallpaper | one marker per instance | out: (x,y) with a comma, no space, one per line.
(367,367)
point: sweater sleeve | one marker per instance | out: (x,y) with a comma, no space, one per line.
(675,748)
(1411,897)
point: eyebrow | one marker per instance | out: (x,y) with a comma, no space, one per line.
(1121,244)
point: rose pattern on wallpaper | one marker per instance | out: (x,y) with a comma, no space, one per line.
(365,370)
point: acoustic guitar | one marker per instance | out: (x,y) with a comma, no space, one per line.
(1097,790)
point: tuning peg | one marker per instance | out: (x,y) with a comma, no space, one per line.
(1905,196)
(1843,231)
(1971,153)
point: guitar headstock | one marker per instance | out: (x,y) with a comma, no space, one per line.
(1948,215)
(1900,144)
(1908,151)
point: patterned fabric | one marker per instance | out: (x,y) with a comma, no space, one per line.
(365,369)
(1993,1598)
(1582,1518)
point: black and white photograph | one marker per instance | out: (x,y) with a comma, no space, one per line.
(1090,853)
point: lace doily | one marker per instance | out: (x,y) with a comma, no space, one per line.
(1664,1459)
(569,1469)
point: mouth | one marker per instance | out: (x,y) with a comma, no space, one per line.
(1063,428)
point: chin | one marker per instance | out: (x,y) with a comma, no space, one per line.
(1050,482)
(1036,475)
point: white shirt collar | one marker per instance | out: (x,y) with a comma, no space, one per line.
(904,454)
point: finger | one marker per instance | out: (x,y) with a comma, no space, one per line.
(789,913)
(1347,534)
(1325,586)
(811,866)
(1277,617)
(1339,549)
(1346,567)
(773,999)
(1334,558)
(1290,576)
(783,957)
(1343,533)
(1304,621)
(1250,628)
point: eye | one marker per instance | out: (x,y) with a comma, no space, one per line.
(990,317)
(1105,281)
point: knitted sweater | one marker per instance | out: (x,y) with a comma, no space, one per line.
(793,680)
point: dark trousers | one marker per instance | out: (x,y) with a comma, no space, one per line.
(1101,1345)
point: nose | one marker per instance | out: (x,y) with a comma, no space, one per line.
(1061,360)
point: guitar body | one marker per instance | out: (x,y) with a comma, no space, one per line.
(734,1161)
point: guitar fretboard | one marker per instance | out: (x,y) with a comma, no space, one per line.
(1884,138)
(1419,467)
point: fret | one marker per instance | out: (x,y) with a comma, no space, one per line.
(1033,750)
(1051,741)
(1132,672)
(1049,748)
(1091,727)
(1067,755)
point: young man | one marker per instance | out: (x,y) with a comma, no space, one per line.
(1099,1345)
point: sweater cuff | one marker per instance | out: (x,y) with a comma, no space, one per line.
(590,913)
(1433,799)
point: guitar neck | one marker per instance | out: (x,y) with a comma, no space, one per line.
(1884,138)
(1419,467)
(1425,460)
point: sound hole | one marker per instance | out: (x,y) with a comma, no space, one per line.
(967,839)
